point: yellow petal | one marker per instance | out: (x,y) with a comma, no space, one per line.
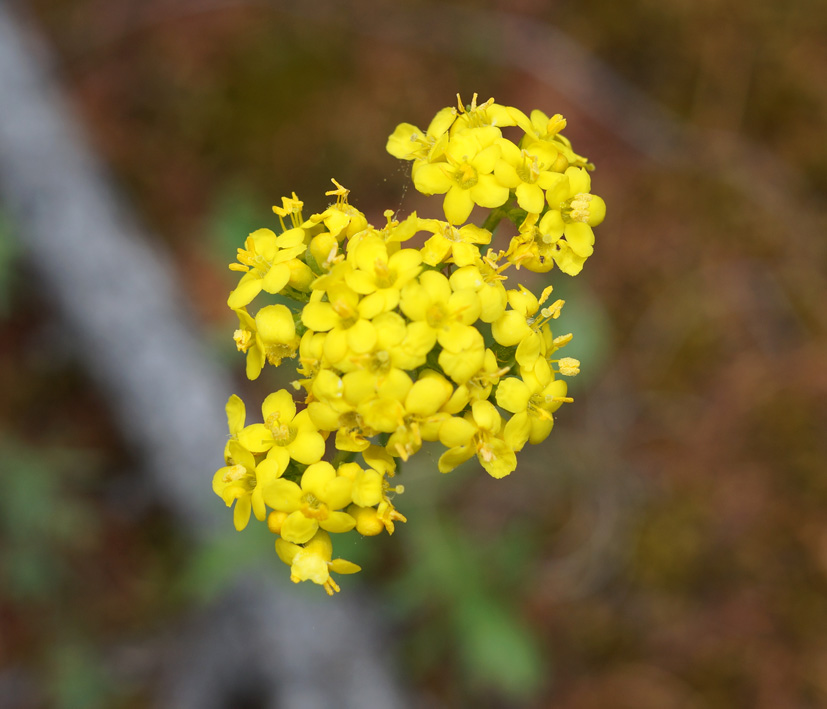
(241,512)
(307,448)
(404,142)
(540,429)
(255,362)
(378,459)
(458,204)
(486,416)
(383,415)
(276,278)
(581,238)
(456,432)
(275,324)
(367,488)
(488,192)
(513,394)
(485,160)
(530,197)
(298,529)
(451,458)
(509,329)
(236,413)
(428,395)
(319,316)
(338,522)
(361,337)
(282,495)
(506,174)
(259,509)
(395,385)
(248,288)
(340,566)
(316,478)
(497,458)
(240,453)
(517,430)
(442,121)
(280,403)
(338,493)
(529,350)
(286,551)
(432,178)
(462,365)
(309,567)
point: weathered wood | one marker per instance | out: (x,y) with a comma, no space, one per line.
(119,297)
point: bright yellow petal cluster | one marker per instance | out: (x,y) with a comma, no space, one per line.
(397,345)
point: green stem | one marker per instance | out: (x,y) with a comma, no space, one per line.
(494,219)
(342,457)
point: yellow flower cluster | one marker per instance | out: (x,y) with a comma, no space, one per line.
(399,345)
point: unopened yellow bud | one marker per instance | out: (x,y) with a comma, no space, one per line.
(561,164)
(300,275)
(275,520)
(324,248)
(367,519)
(555,124)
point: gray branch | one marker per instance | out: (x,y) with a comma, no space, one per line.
(118,296)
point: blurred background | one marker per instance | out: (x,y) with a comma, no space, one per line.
(666,547)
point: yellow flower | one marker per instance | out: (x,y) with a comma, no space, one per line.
(572,214)
(317,503)
(479,385)
(341,219)
(532,401)
(236,415)
(388,514)
(395,233)
(398,345)
(368,522)
(290,207)
(540,128)
(422,418)
(269,337)
(521,327)
(331,412)
(478,432)
(488,114)
(528,172)
(371,521)
(265,260)
(466,178)
(284,428)
(311,356)
(312,562)
(401,346)
(243,481)
(379,276)
(460,245)
(533,249)
(407,142)
(463,353)
(430,300)
(348,331)
(486,280)
(367,488)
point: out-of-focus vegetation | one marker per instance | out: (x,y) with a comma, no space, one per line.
(667,547)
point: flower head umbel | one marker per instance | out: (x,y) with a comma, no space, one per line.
(406,333)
